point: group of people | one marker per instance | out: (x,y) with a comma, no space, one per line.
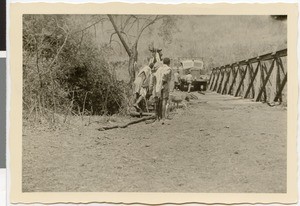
(153,81)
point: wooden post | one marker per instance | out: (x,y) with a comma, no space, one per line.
(281,65)
(223,81)
(212,81)
(265,81)
(263,70)
(216,83)
(252,80)
(252,74)
(242,81)
(215,78)
(278,81)
(234,78)
(211,78)
(278,95)
(266,70)
(264,89)
(220,84)
(226,82)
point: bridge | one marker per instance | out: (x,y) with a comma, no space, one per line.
(261,78)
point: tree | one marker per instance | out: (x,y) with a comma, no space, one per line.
(64,70)
(123,31)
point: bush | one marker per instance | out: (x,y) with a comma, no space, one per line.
(65,73)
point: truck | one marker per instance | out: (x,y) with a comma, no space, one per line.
(196,68)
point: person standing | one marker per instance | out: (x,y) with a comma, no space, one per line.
(162,88)
(176,80)
(189,80)
(141,85)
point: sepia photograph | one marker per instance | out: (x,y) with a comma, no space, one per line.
(154,103)
(163,103)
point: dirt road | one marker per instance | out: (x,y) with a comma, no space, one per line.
(218,144)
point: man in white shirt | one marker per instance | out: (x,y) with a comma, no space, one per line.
(189,80)
(141,84)
(161,88)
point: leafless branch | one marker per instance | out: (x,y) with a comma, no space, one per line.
(147,25)
(119,34)
(37,62)
(58,52)
(111,36)
(81,39)
(126,23)
(134,16)
(100,20)
(60,26)
(117,43)
(131,25)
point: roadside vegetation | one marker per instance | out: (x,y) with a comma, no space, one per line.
(83,65)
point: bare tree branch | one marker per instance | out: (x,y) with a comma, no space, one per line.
(147,25)
(111,36)
(126,23)
(132,25)
(58,52)
(134,16)
(81,39)
(100,20)
(118,43)
(37,62)
(119,35)
(60,26)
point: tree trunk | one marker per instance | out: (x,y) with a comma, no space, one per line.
(132,53)
(131,69)
(132,63)
(119,35)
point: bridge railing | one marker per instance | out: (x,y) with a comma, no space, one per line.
(262,78)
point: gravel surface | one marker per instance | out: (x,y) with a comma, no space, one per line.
(217,144)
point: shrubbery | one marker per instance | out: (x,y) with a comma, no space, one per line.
(65,72)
